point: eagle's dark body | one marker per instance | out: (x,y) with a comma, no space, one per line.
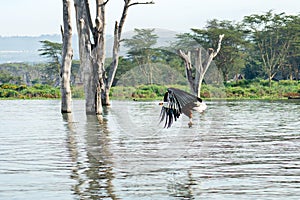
(176,102)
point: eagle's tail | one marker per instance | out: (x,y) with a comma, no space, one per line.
(200,107)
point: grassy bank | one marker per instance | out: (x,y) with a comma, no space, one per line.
(26,92)
(37,91)
(260,89)
(244,89)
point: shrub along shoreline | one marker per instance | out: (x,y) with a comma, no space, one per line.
(243,89)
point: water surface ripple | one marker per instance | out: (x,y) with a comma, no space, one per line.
(237,149)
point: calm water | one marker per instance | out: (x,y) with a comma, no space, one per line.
(236,150)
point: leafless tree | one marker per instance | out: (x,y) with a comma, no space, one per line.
(67,54)
(201,65)
(97,81)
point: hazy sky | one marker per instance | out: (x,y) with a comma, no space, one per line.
(36,17)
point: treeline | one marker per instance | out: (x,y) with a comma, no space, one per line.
(263,46)
(27,92)
(243,89)
(36,91)
(260,47)
(31,74)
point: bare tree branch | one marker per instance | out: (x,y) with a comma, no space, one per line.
(219,44)
(137,3)
(88,12)
(212,54)
(117,39)
(188,68)
(62,32)
(104,3)
(195,82)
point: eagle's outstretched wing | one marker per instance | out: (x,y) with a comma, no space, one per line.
(177,101)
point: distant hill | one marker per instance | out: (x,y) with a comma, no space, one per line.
(25,48)
(165,36)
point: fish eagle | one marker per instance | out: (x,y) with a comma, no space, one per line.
(176,102)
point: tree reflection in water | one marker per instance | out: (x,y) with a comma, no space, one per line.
(90,154)
(182,186)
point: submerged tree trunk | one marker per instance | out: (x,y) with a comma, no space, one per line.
(113,66)
(195,81)
(92,54)
(67,54)
(97,82)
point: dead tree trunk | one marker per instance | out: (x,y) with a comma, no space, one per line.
(92,53)
(201,66)
(108,80)
(97,82)
(188,68)
(113,66)
(67,54)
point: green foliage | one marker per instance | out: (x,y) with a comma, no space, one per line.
(288,82)
(273,37)
(154,73)
(141,45)
(212,91)
(140,92)
(236,90)
(149,91)
(5,77)
(259,88)
(259,46)
(264,83)
(53,52)
(121,92)
(78,92)
(124,66)
(9,86)
(243,89)
(253,67)
(23,91)
(240,83)
(243,48)
(24,73)
(143,39)
(185,41)
(231,58)
(42,87)
(8,93)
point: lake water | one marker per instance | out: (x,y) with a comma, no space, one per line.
(236,150)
